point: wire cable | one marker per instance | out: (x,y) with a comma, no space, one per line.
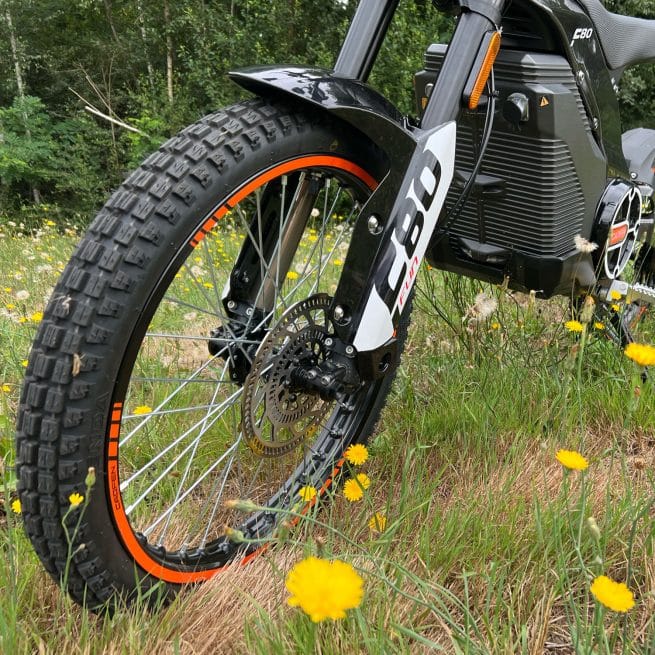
(456,209)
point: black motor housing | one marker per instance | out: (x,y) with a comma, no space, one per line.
(540,180)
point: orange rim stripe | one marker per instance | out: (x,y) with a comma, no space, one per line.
(303,162)
(281,169)
(135,549)
(208,225)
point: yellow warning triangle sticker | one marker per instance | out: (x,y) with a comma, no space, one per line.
(544,102)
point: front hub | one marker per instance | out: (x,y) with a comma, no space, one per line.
(237,341)
(278,413)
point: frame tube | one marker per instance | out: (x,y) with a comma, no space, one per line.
(364,38)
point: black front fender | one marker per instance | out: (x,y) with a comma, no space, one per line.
(347,99)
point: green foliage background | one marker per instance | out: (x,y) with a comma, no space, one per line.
(56,56)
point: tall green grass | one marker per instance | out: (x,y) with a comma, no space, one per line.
(487,547)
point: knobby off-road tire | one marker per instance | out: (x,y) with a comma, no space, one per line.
(120,377)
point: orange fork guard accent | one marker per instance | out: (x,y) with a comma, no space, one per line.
(485,69)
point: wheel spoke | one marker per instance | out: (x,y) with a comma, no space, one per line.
(164,515)
(198,450)
(162,404)
(215,415)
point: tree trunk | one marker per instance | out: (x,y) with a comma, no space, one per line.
(169,51)
(14,53)
(144,38)
(110,19)
(20,85)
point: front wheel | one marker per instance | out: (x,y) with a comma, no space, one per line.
(165,354)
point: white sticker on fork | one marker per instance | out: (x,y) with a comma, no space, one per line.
(411,241)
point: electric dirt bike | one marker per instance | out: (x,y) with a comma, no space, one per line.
(232,319)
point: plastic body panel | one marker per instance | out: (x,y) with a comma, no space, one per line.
(596,81)
(639,149)
(345,98)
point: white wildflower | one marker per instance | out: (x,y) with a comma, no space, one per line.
(483,307)
(23,294)
(582,245)
(315,213)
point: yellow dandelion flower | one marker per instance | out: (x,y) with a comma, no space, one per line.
(142,409)
(495,326)
(364,480)
(233,535)
(338,262)
(292,275)
(615,295)
(352,491)
(10,306)
(324,589)
(573,326)
(641,353)
(5,388)
(16,507)
(37,317)
(307,493)
(571,459)
(75,499)
(378,522)
(599,326)
(50,223)
(22,319)
(614,307)
(208,285)
(357,454)
(614,595)
(24,363)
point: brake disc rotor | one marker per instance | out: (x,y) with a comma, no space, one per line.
(276,417)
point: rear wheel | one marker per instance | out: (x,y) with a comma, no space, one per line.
(165,355)
(628,321)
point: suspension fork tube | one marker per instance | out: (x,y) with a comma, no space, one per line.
(445,100)
(292,232)
(365,36)
(274,233)
(377,279)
